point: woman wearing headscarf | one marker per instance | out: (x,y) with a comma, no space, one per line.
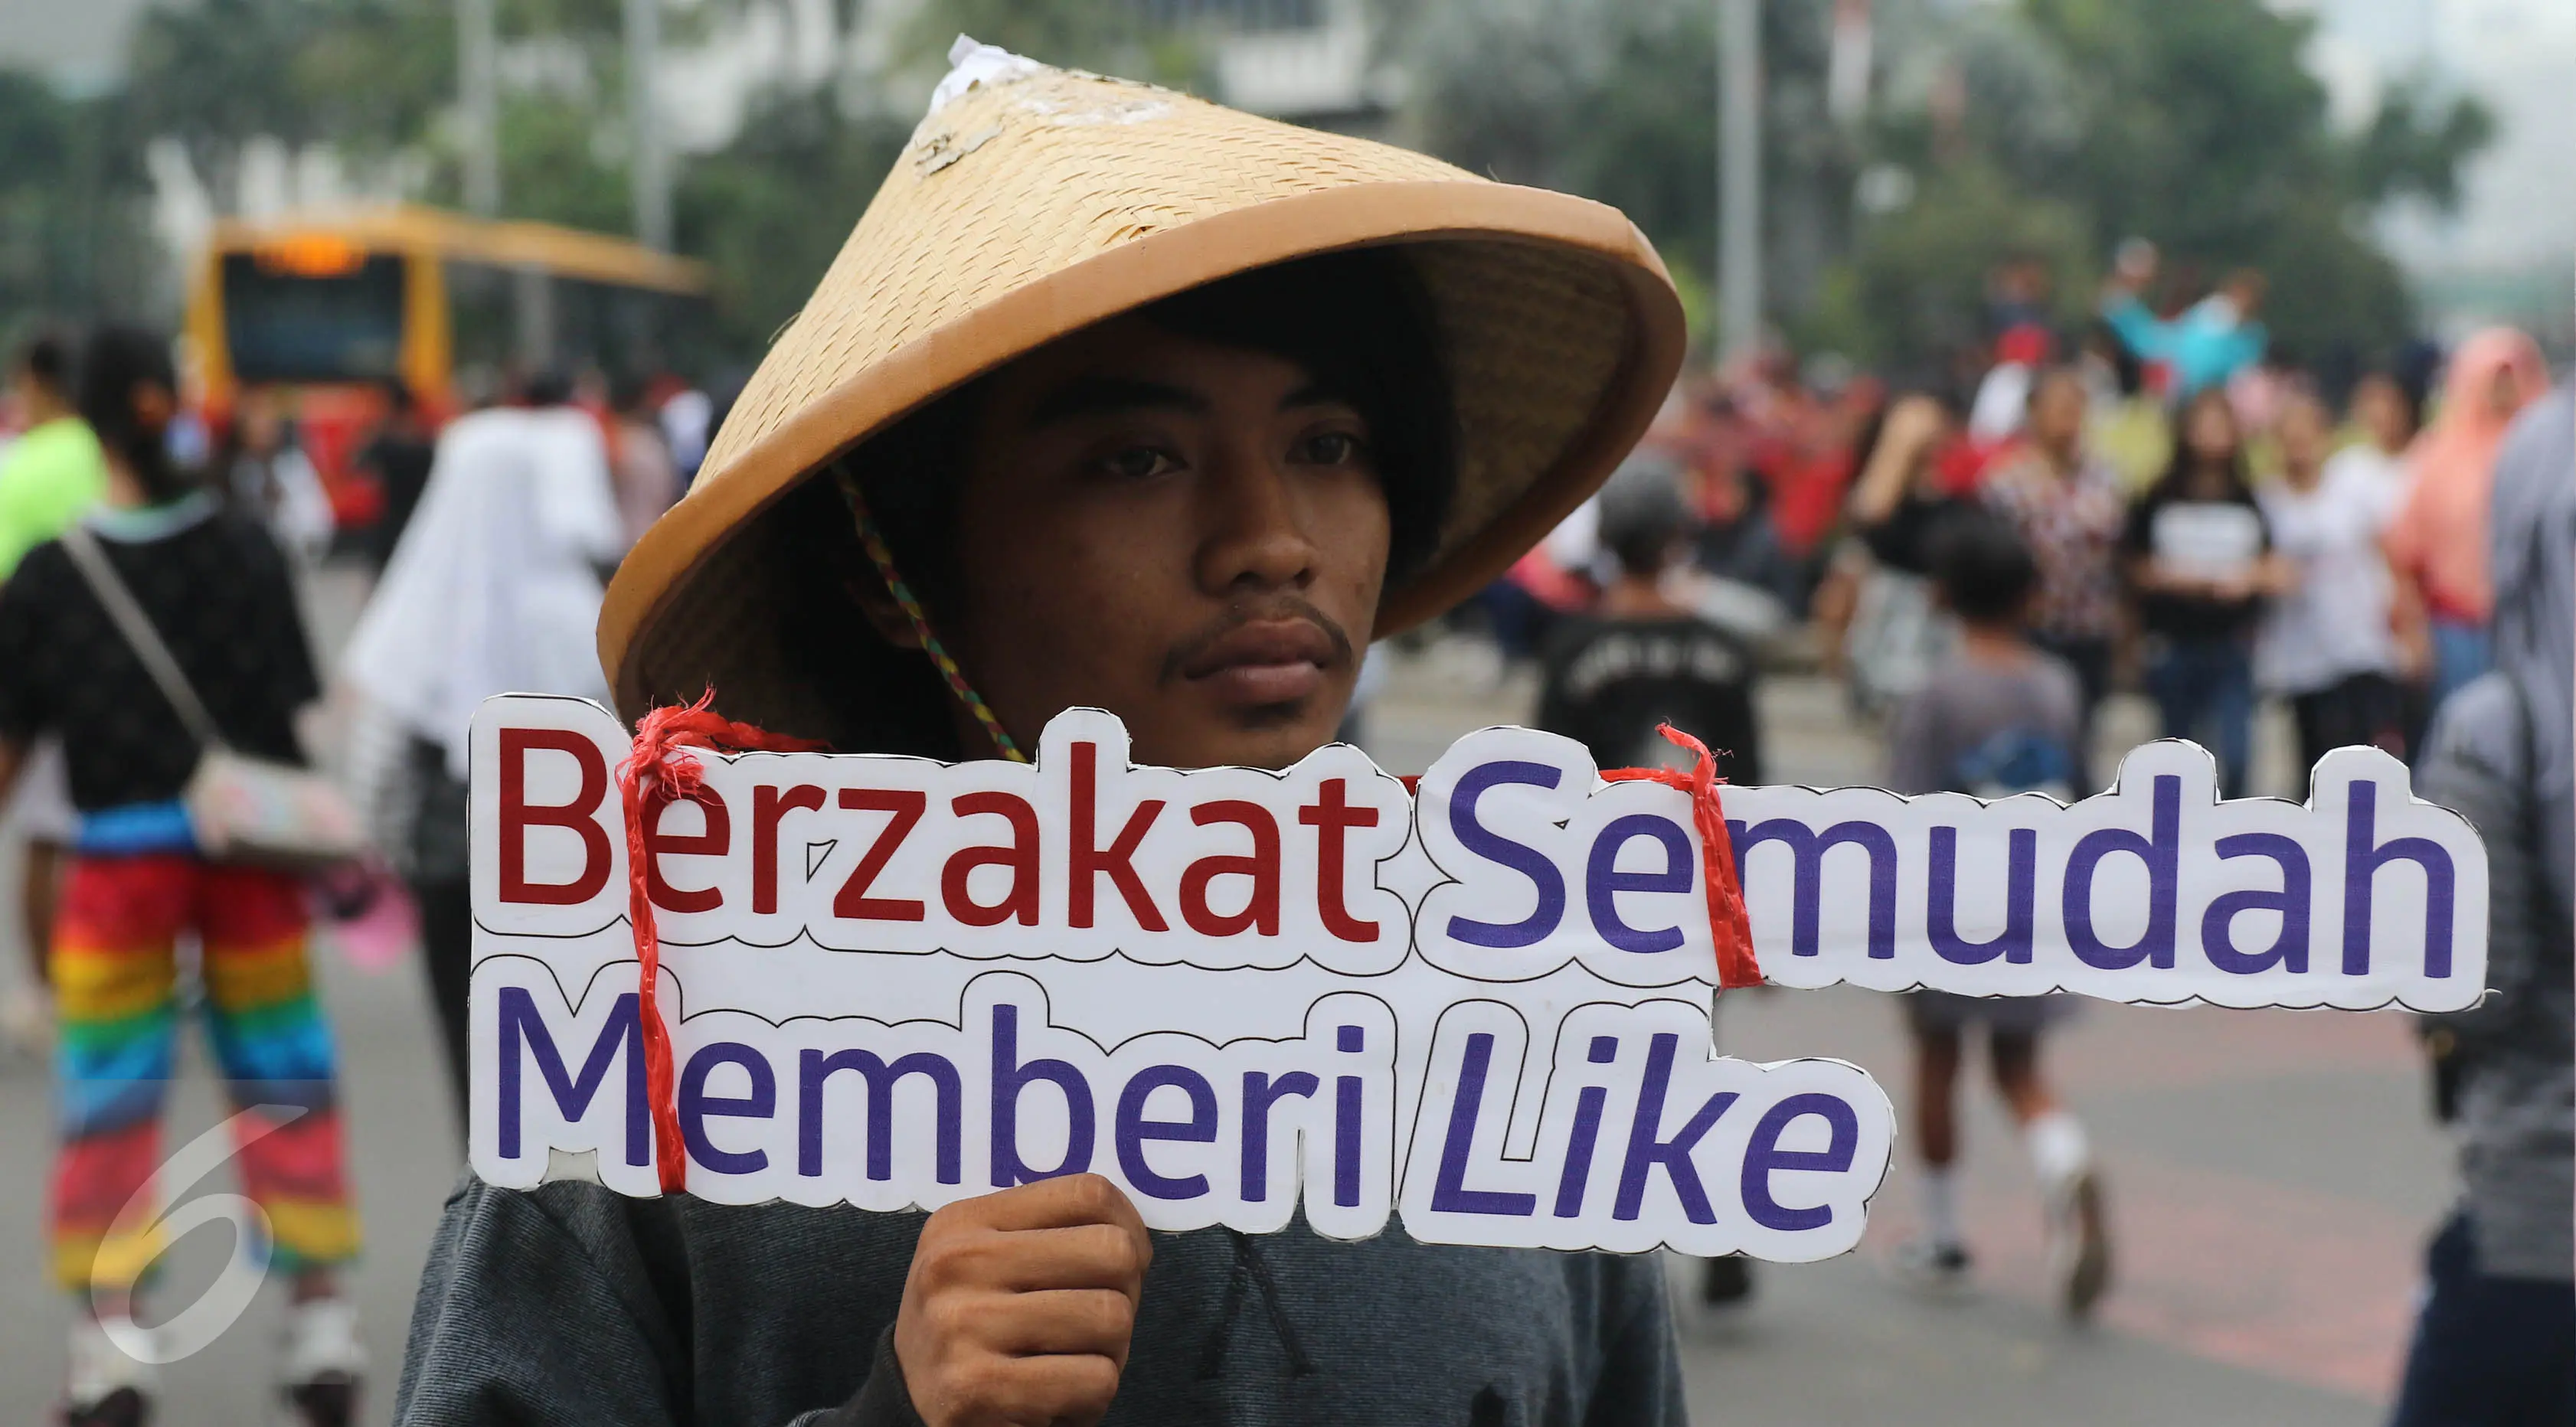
(2495,1342)
(494,589)
(2437,545)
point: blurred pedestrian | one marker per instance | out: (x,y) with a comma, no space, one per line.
(49,476)
(2381,419)
(2438,542)
(2003,398)
(2202,346)
(1999,716)
(688,423)
(266,475)
(397,454)
(2125,424)
(2495,1336)
(54,470)
(2201,560)
(495,589)
(1737,553)
(2069,509)
(2330,642)
(640,461)
(215,588)
(1640,658)
(1875,613)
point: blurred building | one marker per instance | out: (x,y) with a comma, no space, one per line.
(80,47)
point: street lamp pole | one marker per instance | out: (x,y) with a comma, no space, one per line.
(649,171)
(1739,176)
(479,96)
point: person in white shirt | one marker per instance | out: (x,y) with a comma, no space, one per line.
(2382,421)
(2331,642)
(494,588)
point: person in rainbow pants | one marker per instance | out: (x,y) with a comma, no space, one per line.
(140,903)
(115,969)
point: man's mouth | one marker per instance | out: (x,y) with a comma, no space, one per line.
(1263,661)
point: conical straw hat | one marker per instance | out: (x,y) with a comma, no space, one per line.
(1033,202)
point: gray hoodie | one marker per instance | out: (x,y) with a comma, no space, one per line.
(570,1304)
(2503,753)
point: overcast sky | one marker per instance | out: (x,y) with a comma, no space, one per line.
(2517,54)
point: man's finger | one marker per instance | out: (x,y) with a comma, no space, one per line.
(1083,1256)
(1059,1321)
(1057,1203)
(1068,1388)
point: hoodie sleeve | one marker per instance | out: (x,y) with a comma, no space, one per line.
(569,1304)
(506,1273)
(883,1401)
(1641,1374)
(2473,763)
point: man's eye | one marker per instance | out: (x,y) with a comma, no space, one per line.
(1332,448)
(1137,463)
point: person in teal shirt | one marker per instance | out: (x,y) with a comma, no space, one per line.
(54,471)
(2203,345)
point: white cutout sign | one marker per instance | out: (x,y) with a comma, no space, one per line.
(890,982)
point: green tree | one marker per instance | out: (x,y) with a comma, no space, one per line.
(366,76)
(2037,129)
(75,240)
(2200,127)
(1617,100)
(1913,289)
(769,211)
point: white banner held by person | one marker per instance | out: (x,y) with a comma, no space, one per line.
(1481,1005)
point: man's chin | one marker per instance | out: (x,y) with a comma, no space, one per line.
(1259,736)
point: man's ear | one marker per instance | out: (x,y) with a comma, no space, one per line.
(884,614)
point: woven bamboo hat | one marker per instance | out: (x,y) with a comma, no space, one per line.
(1033,202)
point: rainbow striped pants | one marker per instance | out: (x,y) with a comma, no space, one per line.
(115,979)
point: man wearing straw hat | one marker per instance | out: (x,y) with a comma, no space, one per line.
(1120,399)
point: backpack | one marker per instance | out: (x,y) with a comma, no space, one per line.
(2016,760)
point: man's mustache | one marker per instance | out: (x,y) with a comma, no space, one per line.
(1272,607)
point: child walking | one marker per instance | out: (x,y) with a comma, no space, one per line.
(1997,717)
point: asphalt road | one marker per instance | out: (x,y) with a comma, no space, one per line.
(2272,1175)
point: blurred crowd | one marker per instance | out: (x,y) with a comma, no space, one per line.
(2162,502)
(2214,524)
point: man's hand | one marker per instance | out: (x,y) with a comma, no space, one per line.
(1019,1305)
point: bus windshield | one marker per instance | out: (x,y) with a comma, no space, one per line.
(306,322)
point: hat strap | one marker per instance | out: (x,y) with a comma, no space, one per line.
(882,558)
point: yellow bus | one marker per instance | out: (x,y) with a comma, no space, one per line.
(333,308)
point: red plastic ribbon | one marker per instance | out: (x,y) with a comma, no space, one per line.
(656,773)
(1728,926)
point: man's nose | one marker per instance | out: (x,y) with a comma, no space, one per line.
(1252,534)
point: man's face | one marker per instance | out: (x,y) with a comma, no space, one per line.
(2057,413)
(1190,536)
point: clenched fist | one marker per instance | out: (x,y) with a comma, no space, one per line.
(1019,1304)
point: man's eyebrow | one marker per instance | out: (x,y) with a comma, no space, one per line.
(1313,394)
(1110,396)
